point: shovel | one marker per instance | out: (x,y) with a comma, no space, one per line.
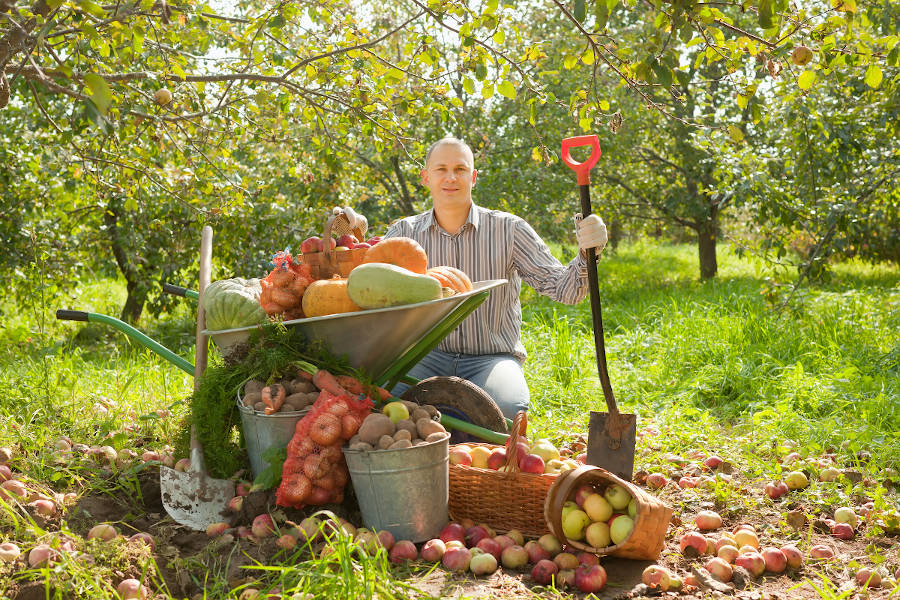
(611,436)
(193,498)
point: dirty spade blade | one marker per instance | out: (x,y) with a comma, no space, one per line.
(193,498)
(611,439)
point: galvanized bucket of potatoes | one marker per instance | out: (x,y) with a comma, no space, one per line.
(591,509)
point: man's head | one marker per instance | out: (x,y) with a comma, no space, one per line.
(449,173)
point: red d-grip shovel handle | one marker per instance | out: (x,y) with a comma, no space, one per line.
(583,169)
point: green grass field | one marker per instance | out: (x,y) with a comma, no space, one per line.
(715,366)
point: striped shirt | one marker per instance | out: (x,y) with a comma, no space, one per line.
(495,245)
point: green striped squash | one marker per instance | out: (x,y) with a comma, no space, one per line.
(231,303)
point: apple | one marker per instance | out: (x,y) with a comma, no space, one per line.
(566,561)
(544,449)
(162,96)
(475,534)
(656,576)
(5,473)
(131,589)
(9,552)
(554,466)
(567,507)
(829,474)
(544,571)
(327,241)
(311,245)
(693,544)
(588,558)
(535,552)
(491,546)
(385,539)
(597,534)
(791,458)
(521,448)
(842,531)
(456,559)
(531,463)
(776,561)
(373,240)
(845,514)
(286,542)
(582,493)
(597,507)
(433,550)
(796,480)
(590,578)
(455,544)
(516,536)
(263,526)
(403,551)
(44,508)
(396,411)
(549,543)
(719,568)
(776,489)
(617,496)
(713,462)
(483,564)
(727,553)
(752,561)
(687,482)
(632,508)
(459,455)
(359,245)
(480,456)
(745,537)
(453,531)
(103,531)
(656,481)
(793,556)
(727,539)
(497,458)
(565,578)
(574,523)
(867,577)
(710,546)
(514,557)
(821,551)
(708,520)
(620,528)
(801,55)
(348,240)
(341,248)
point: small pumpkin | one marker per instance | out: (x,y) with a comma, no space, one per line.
(328,297)
(401,251)
(451,277)
(232,303)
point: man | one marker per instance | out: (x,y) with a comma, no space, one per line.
(486,348)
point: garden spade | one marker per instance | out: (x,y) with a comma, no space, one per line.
(611,436)
(192,497)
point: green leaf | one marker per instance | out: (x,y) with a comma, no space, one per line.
(735,132)
(570,61)
(663,74)
(92,9)
(873,76)
(480,71)
(601,14)
(580,10)
(99,91)
(270,477)
(487,90)
(806,79)
(469,85)
(277,22)
(507,89)
(499,36)
(765,14)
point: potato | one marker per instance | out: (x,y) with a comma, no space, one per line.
(425,427)
(299,400)
(410,405)
(419,443)
(419,413)
(408,425)
(436,436)
(252,398)
(253,386)
(402,434)
(374,427)
(299,385)
(433,411)
(361,446)
(354,440)
(400,444)
(259,406)
(286,407)
(385,442)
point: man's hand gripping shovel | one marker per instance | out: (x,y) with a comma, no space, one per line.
(611,436)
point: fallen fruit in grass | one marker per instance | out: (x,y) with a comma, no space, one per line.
(842,531)
(433,550)
(793,556)
(776,561)
(796,480)
(753,562)
(456,559)
(5,454)
(13,488)
(504,541)
(597,507)
(367,540)
(543,571)
(483,564)
(45,508)
(516,536)
(656,481)
(131,589)
(262,526)
(574,523)
(727,553)
(242,489)
(566,561)
(867,577)
(829,474)
(286,542)
(549,543)
(692,544)
(656,576)
(143,537)
(745,537)
(216,529)
(491,546)
(9,552)
(708,520)
(597,534)
(587,558)
(713,462)
(403,551)
(687,482)
(535,552)
(590,578)
(236,503)
(776,489)
(453,531)
(41,555)
(514,557)
(102,531)
(719,568)
(475,534)
(5,473)
(454,544)
(564,578)
(386,539)
(845,514)
(801,55)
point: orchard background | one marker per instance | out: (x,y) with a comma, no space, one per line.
(749,180)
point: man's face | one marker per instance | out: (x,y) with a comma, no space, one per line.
(449,176)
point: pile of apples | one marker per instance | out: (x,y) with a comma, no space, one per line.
(348,241)
(599,516)
(539,456)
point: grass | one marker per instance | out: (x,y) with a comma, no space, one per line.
(712,366)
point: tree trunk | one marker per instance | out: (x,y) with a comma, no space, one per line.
(707,233)
(406,202)
(615,233)
(137,293)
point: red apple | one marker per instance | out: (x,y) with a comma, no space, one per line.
(348,240)
(776,489)
(453,531)
(582,493)
(693,544)
(403,551)
(516,536)
(821,551)
(327,242)
(483,564)
(776,561)
(531,463)
(460,456)
(752,561)
(456,559)
(535,552)
(433,550)
(497,458)
(727,552)
(514,557)
(566,561)
(590,578)
(687,482)
(793,556)
(587,558)
(311,245)
(713,462)
(373,240)
(475,534)
(549,543)
(504,541)
(263,526)
(867,577)
(842,531)
(490,546)
(719,568)
(359,245)
(707,520)
(544,571)
(386,539)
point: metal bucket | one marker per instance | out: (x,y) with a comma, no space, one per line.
(404,491)
(266,431)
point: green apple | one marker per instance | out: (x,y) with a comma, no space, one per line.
(568,507)
(574,523)
(396,410)
(597,508)
(544,449)
(620,527)
(553,466)
(632,508)
(617,496)
(597,535)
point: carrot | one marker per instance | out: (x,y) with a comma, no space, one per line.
(324,380)
(383,394)
(272,405)
(351,384)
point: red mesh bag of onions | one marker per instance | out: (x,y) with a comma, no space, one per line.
(315,471)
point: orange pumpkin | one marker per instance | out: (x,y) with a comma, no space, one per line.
(401,251)
(327,297)
(452,278)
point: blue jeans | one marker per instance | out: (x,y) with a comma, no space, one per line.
(500,375)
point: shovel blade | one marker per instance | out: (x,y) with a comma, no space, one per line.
(194,499)
(611,439)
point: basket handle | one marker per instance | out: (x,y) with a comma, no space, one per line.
(519,429)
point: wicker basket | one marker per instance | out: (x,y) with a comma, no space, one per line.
(503,500)
(647,538)
(328,263)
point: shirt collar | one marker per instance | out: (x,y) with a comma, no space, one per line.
(473,218)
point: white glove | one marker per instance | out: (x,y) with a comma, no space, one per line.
(591,232)
(354,219)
